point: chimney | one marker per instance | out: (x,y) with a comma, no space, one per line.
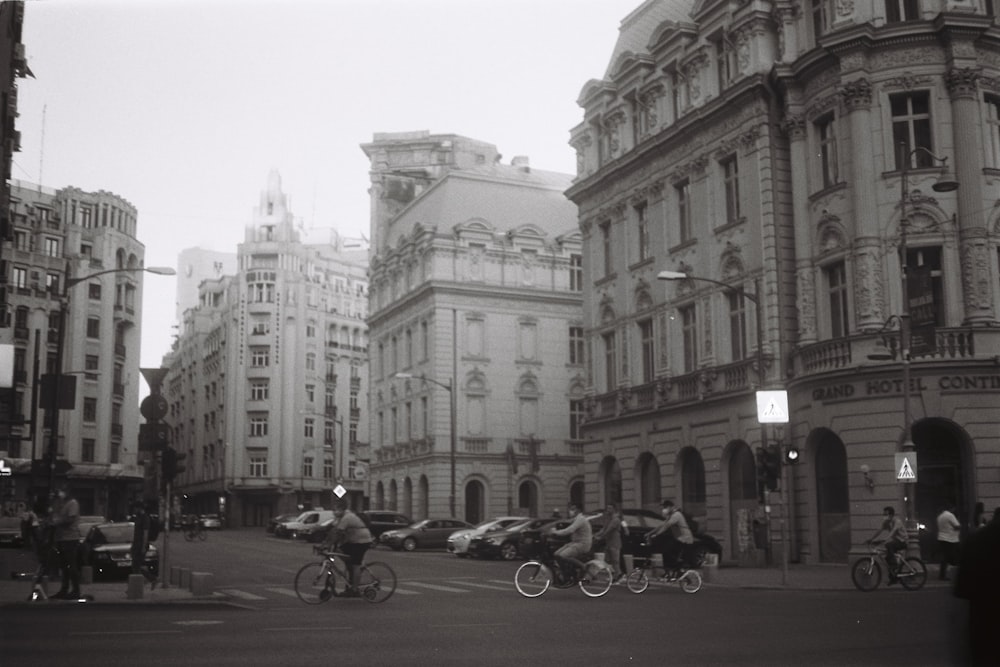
(521,162)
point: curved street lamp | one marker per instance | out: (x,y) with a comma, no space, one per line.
(450,387)
(54,405)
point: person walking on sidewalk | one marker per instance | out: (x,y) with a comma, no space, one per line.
(948,528)
(140,543)
(65,520)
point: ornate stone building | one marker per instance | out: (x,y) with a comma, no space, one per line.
(783,155)
(476,303)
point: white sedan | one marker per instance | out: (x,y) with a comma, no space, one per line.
(458,542)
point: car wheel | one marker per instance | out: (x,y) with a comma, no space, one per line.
(409,544)
(508,551)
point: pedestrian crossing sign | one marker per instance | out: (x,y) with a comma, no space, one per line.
(906,467)
(772,407)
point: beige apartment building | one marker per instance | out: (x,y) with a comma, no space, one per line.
(477,372)
(787,157)
(267,381)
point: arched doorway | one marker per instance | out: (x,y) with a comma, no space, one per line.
(650,493)
(944,476)
(746,528)
(833,509)
(611,481)
(423,499)
(475,501)
(693,494)
(393,496)
(407,508)
(379,500)
(576,492)
(527,498)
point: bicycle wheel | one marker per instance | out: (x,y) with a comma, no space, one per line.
(913,574)
(314,583)
(189,535)
(866,574)
(597,578)
(376,582)
(532,579)
(637,581)
(690,581)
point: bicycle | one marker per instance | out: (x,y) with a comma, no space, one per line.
(316,583)
(688,578)
(866,573)
(536,576)
(195,531)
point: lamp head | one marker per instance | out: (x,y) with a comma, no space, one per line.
(946,182)
(671,275)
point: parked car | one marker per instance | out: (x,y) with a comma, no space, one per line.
(107,547)
(277,520)
(303,524)
(505,543)
(380,521)
(210,521)
(10,531)
(641,521)
(458,542)
(426,534)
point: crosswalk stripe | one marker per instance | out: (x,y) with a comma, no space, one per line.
(284,591)
(508,582)
(243,595)
(492,588)
(436,587)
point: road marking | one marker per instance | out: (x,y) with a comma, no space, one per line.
(300,628)
(284,591)
(509,582)
(105,633)
(471,625)
(403,591)
(243,595)
(436,587)
(492,588)
(197,622)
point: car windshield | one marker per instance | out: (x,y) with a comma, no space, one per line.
(420,524)
(112,533)
(10,522)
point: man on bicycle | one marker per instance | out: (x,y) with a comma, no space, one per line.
(581,538)
(349,534)
(895,540)
(672,536)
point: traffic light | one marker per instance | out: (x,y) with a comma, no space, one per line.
(769,467)
(792,455)
(172,463)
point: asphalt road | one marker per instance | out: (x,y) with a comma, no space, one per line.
(466,612)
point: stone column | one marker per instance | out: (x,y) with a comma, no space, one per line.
(857,98)
(977,278)
(794,126)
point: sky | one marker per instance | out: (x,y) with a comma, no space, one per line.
(183,107)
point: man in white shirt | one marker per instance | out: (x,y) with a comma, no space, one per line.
(948,533)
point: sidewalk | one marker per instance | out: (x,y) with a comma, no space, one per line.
(820,577)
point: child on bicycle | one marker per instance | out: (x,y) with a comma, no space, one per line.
(895,540)
(349,534)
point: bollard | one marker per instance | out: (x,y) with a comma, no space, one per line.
(202,584)
(185,581)
(710,568)
(87,574)
(136,585)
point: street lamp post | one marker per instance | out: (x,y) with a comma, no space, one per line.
(54,405)
(945,183)
(451,396)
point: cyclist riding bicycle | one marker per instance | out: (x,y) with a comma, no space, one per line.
(348,534)
(673,537)
(895,541)
(581,539)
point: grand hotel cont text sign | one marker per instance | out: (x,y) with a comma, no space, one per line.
(893,387)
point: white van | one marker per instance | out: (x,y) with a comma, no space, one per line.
(303,524)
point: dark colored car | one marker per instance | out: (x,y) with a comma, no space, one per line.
(107,547)
(426,534)
(506,544)
(380,521)
(641,521)
(10,531)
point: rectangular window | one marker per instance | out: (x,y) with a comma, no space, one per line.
(836,285)
(731,184)
(258,425)
(646,347)
(309,427)
(993,131)
(901,10)
(408,351)
(683,192)
(94,291)
(52,247)
(424,341)
(258,464)
(576,415)
(93,327)
(725,62)
(911,129)
(307,467)
(826,131)
(576,345)
(87,450)
(737,325)
(327,468)
(927,260)
(310,393)
(259,390)
(642,231)
(576,273)
(260,357)
(610,368)
(689,334)
(20,277)
(822,15)
(89,409)
(606,248)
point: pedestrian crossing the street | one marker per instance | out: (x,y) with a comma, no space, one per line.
(450,587)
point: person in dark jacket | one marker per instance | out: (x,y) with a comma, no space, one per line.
(978,584)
